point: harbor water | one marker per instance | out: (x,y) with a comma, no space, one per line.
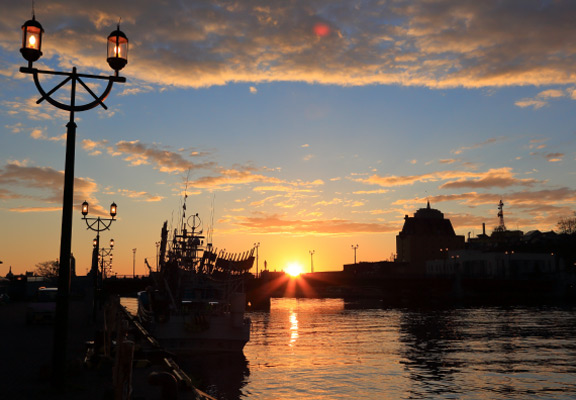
(332,349)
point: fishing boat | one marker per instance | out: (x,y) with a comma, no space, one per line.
(197,302)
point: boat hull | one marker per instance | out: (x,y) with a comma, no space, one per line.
(219,334)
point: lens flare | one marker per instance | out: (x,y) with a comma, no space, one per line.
(321,29)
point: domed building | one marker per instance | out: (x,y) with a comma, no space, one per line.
(426,236)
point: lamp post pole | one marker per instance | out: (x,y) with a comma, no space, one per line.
(256,245)
(117,58)
(157,255)
(354,247)
(312,260)
(133,263)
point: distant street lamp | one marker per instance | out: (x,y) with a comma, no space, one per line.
(312,260)
(98,225)
(106,252)
(133,263)
(31,50)
(256,245)
(157,255)
(354,247)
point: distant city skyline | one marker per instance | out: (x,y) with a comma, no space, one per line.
(297,125)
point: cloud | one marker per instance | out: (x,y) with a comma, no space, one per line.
(137,153)
(542,98)
(550,157)
(477,145)
(377,191)
(233,176)
(501,177)
(436,43)
(38,133)
(142,196)
(278,224)
(40,184)
(32,111)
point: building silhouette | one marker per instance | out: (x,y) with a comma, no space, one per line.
(426,236)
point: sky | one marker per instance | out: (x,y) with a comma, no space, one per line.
(307,126)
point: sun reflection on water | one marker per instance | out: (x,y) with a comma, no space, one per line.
(293,328)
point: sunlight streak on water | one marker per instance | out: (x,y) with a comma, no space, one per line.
(293,328)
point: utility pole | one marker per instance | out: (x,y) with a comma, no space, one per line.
(134,263)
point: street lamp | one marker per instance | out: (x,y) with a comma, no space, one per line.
(106,252)
(354,247)
(157,255)
(312,260)
(98,225)
(31,40)
(134,263)
(31,50)
(256,245)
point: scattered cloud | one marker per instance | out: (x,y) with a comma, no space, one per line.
(542,99)
(140,195)
(550,157)
(501,177)
(137,153)
(478,145)
(279,224)
(41,185)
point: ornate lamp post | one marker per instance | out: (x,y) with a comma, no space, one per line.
(31,50)
(106,252)
(98,225)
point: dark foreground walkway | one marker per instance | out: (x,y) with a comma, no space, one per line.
(26,360)
(26,356)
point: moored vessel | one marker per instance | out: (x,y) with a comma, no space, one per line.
(197,302)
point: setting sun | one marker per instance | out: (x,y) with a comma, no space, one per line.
(294,269)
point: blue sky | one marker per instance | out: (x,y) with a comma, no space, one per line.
(301,125)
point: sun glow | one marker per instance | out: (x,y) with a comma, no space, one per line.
(293,269)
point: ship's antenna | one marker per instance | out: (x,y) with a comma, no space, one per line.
(183,223)
(211,227)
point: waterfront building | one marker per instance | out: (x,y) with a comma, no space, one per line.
(426,236)
(495,265)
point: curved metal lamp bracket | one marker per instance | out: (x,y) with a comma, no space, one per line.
(74,77)
(105,222)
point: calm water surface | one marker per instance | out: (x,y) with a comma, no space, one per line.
(330,349)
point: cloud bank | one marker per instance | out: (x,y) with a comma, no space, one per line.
(434,43)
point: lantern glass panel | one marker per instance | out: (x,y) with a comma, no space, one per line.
(113,210)
(117,47)
(32,38)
